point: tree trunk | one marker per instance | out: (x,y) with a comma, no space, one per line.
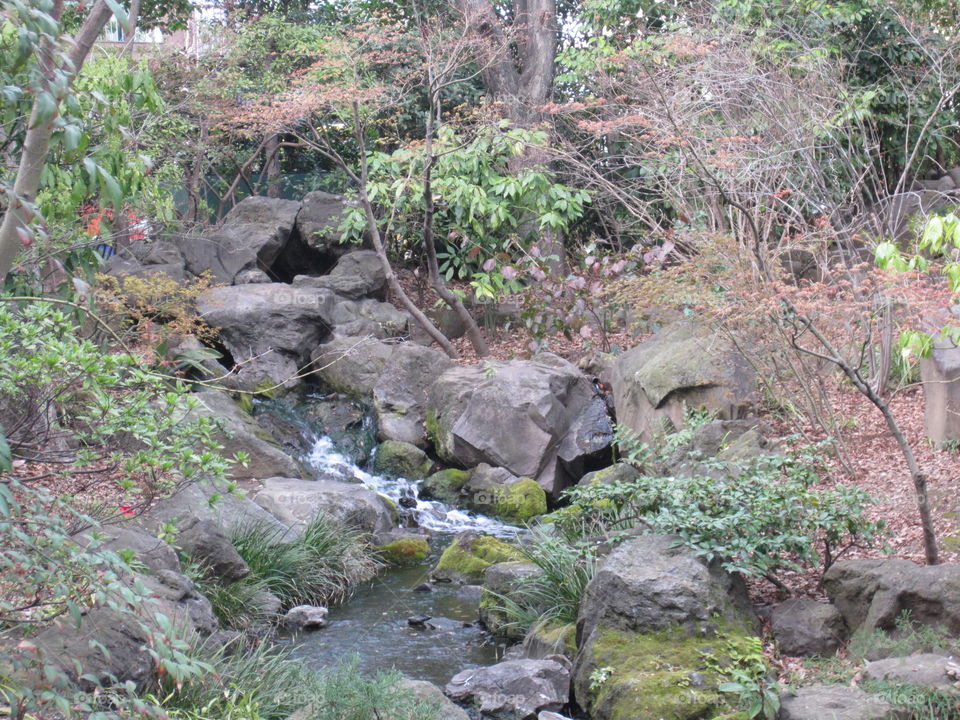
(272,165)
(36,144)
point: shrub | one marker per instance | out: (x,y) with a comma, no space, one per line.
(95,414)
(757,518)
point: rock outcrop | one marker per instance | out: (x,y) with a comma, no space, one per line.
(836,702)
(802,626)
(467,558)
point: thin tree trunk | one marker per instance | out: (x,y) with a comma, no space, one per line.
(36,144)
(917,477)
(272,165)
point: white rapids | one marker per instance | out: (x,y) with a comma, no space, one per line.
(326,462)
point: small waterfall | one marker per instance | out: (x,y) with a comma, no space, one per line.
(326,462)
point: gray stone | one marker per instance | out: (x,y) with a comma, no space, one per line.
(834,702)
(356,276)
(802,626)
(319,219)
(147,259)
(352,365)
(515,689)
(401,459)
(400,393)
(204,540)
(251,277)
(149,550)
(653,583)
(686,365)
(872,594)
(539,418)
(504,580)
(305,617)
(253,236)
(296,503)
(206,501)
(352,318)
(926,669)
(121,651)
(241,433)
(271,321)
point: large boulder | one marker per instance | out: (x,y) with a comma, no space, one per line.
(685,365)
(834,702)
(296,503)
(253,236)
(514,689)
(396,458)
(803,626)
(207,501)
(539,418)
(648,616)
(400,392)
(123,639)
(926,669)
(356,276)
(241,433)
(872,594)
(270,329)
(352,318)
(430,695)
(319,219)
(205,541)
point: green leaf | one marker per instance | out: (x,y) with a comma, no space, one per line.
(6,456)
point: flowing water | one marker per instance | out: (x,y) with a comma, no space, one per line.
(373,623)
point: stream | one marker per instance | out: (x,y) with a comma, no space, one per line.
(372,624)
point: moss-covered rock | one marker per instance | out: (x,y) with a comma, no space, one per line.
(521,501)
(401,459)
(616,473)
(408,551)
(469,555)
(655,675)
(445,485)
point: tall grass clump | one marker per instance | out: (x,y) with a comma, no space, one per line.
(264,682)
(320,567)
(553,596)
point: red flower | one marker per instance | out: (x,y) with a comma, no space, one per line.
(127,510)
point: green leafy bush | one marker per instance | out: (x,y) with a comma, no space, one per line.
(763,518)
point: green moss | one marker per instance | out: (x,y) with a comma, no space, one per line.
(445,485)
(245,401)
(408,551)
(521,501)
(469,555)
(651,675)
